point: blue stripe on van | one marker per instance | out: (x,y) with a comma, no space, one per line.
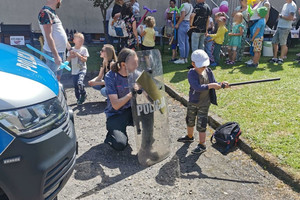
(5,140)
(22,63)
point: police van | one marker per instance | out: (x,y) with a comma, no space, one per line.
(37,136)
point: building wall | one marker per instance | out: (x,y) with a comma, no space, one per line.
(82,16)
(74,14)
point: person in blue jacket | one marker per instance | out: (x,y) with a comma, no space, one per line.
(201,95)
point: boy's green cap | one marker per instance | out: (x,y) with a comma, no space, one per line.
(262,12)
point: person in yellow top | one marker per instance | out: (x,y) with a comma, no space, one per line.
(148,34)
(218,38)
(149,38)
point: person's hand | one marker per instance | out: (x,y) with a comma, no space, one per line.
(206,34)
(129,95)
(215,86)
(72,54)
(230,34)
(226,84)
(58,60)
(92,83)
(177,26)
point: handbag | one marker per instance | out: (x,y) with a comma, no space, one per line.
(118,29)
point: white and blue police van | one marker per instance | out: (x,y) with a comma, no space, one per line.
(37,136)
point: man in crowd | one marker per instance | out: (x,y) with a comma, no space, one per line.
(55,37)
(285,21)
(199,22)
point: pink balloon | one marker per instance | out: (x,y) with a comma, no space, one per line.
(215,10)
(223,8)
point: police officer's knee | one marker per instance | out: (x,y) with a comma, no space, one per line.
(119,140)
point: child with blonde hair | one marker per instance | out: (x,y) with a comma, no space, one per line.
(235,37)
(218,38)
(148,34)
(78,57)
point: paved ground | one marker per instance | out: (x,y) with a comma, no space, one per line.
(102,173)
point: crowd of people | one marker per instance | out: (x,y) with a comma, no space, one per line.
(207,34)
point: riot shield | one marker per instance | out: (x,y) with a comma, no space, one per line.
(149,109)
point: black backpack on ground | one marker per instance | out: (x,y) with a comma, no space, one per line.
(227,135)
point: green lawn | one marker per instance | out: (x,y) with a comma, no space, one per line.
(269,113)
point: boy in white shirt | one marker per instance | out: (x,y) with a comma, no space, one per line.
(78,56)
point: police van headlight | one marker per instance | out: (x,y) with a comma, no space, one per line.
(35,120)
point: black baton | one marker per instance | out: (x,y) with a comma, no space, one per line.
(251,82)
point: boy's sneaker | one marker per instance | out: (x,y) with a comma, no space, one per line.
(185,139)
(179,61)
(79,102)
(186,60)
(280,61)
(81,99)
(199,149)
(249,62)
(273,60)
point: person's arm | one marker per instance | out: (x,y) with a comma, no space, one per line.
(81,57)
(288,18)
(194,83)
(182,16)
(219,33)
(51,44)
(98,80)
(255,34)
(192,18)
(119,103)
(135,32)
(207,24)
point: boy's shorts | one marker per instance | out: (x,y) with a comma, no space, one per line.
(280,36)
(257,44)
(201,113)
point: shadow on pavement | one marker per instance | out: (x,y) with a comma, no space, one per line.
(91,164)
(182,164)
(89,108)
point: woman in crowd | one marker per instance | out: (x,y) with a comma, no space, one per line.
(183,25)
(108,55)
(132,41)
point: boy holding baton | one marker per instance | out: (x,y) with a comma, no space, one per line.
(201,95)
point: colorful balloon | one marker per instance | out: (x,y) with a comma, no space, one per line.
(224,3)
(215,10)
(223,8)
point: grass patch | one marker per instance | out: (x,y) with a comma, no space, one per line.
(267,112)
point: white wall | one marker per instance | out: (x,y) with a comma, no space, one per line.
(74,14)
